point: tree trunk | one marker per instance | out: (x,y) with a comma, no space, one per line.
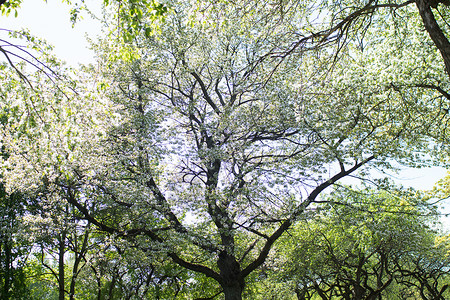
(61,274)
(233,292)
(99,283)
(8,271)
(79,255)
(74,278)
(232,281)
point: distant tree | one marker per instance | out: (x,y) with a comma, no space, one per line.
(14,246)
(365,244)
(61,244)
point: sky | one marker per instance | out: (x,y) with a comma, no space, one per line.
(51,21)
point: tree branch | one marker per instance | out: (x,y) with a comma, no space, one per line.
(435,32)
(205,92)
(299,210)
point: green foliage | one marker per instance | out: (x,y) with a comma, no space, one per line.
(39,282)
(14,247)
(10,6)
(207,130)
(364,243)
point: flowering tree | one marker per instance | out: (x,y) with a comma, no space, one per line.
(208,140)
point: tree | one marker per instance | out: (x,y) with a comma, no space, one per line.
(122,272)
(14,248)
(365,244)
(208,141)
(62,243)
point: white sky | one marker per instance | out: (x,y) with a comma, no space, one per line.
(51,21)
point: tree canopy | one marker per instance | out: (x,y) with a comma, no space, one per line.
(208,131)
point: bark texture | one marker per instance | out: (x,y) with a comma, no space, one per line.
(434,30)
